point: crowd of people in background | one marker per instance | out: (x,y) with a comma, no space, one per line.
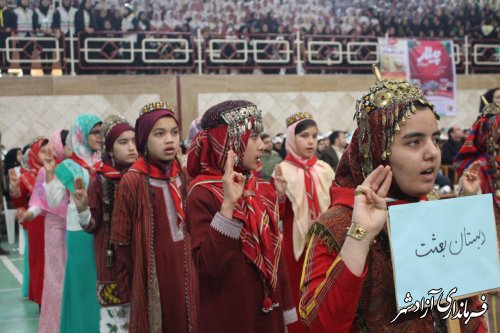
(408,18)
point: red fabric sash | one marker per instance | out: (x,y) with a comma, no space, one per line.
(108,171)
(83,164)
(312,195)
(154,172)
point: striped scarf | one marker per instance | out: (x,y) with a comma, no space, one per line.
(170,177)
(29,178)
(475,148)
(260,241)
(312,195)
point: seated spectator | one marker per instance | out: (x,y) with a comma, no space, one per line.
(270,158)
(452,145)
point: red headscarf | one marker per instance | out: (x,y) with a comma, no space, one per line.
(380,113)
(29,178)
(257,208)
(476,148)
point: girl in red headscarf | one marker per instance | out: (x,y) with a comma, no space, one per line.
(148,232)
(21,189)
(482,148)
(118,154)
(307,195)
(233,221)
(348,284)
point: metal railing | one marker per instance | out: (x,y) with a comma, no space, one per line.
(159,51)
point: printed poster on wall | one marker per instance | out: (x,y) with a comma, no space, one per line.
(432,67)
(393,58)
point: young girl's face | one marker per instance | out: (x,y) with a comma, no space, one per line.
(94,138)
(415,154)
(253,152)
(42,153)
(19,156)
(124,149)
(306,142)
(163,140)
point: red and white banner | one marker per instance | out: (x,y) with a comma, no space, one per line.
(430,64)
(432,68)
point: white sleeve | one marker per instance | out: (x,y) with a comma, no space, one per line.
(84,217)
(54,192)
(35,211)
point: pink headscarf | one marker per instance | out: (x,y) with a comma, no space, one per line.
(56,145)
(290,145)
(38,198)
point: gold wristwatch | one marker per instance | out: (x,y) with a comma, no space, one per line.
(357,231)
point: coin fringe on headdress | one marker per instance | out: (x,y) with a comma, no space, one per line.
(154,106)
(394,99)
(298,117)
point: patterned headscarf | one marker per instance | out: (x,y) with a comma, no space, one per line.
(227,126)
(480,146)
(379,114)
(28,178)
(56,144)
(79,138)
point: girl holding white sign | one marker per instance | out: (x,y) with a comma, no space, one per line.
(347,283)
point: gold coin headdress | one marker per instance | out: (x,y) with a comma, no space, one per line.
(395,100)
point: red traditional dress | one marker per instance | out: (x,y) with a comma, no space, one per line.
(147,229)
(480,146)
(35,227)
(243,282)
(333,299)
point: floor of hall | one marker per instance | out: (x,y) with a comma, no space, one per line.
(17,314)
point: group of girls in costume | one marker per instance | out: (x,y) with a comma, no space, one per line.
(135,242)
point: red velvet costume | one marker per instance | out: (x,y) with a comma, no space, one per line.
(243,282)
(333,299)
(35,227)
(154,270)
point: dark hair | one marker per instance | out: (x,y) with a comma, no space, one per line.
(489,98)
(264,136)
(25,148)
(283,151)
(334,136)
(10,160)
(305,124)
(64,136)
